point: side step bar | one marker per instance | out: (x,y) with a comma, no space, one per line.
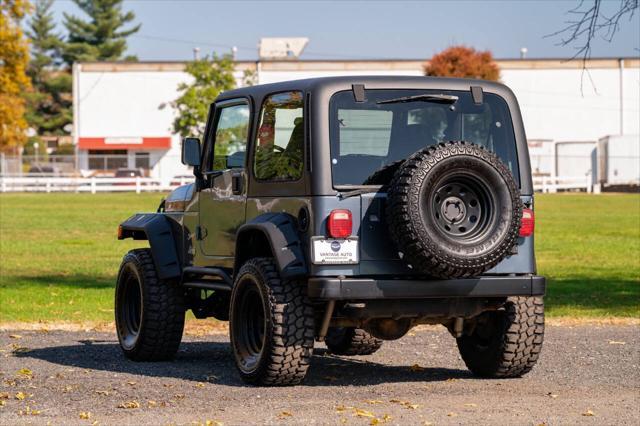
(194,277)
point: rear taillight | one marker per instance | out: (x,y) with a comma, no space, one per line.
(339,224)
(528,223)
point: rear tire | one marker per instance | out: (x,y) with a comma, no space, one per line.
(454,210)
(149,312)
(351,341)
(505,343)
(271,325)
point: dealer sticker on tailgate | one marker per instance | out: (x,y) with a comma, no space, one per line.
(330,251)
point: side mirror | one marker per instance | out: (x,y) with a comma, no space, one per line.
(191,152)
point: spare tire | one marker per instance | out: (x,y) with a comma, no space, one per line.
(454,210)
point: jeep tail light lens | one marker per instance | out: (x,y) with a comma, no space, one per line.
(528,223)
(340,223)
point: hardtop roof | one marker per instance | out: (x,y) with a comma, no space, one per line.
(369,82)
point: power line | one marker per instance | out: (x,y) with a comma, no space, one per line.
(252,48)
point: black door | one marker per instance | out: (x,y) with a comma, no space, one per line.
(223,200)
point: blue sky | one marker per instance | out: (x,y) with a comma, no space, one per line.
(359,29)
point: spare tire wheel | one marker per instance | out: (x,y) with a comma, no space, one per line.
(454,210)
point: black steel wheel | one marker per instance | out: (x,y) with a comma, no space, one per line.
(271,325)
(129,307)
(249,325)
(149,312)
(454,210)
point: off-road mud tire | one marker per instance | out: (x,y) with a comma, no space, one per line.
(351,341)
(158,316)
(423,243)
(289,332)
(510,344)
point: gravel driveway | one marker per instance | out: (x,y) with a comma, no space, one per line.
(587,375)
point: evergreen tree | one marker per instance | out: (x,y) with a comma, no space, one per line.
(49,104)
(102,37)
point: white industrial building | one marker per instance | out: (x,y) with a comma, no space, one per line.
(577,124)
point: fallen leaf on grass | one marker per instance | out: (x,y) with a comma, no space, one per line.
(342,408)
(15,336)
(28,411)
(471,404)
(285,414)
(427,423)
(2,402)
(85,415)
(151,403)
(213,423)
(380,420)
(362,413)
(199,385)
(21,396)
(373,401)
(25,372)
(613,342)
(552,395)
(589,413)
(405,404)
(102,392)
(4,395)
(451,414)
(131,383)
(416,368)
(129,404)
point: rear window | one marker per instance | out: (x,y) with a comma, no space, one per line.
(367,136)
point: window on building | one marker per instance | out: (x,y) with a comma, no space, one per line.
(142,160)
(279,152)
(111,159)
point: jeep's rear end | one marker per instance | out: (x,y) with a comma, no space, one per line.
(364,132)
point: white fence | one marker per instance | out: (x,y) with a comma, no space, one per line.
(144,184)
(91,184)
(562,183)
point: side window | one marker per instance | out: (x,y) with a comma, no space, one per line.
(279,152)
(231,137)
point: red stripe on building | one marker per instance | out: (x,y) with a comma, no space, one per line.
(133,143)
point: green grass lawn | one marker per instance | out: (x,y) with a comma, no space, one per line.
(59,254)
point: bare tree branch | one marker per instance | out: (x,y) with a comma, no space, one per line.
(588,20)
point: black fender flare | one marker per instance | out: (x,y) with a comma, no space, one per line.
(155,228)
(280,230)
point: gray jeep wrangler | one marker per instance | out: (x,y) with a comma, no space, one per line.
(345,210)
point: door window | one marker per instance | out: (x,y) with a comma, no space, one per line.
(230,143)
(279,152)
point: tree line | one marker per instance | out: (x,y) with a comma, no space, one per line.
(35,89)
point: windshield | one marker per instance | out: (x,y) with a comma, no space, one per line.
(393,124)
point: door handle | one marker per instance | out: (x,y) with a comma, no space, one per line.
(236,183)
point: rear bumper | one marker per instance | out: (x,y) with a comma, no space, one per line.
(331,288)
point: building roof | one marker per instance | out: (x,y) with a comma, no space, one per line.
(358,64)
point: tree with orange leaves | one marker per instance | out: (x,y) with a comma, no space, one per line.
(14,59)
(463,62)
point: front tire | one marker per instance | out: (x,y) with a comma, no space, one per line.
(505,343)
(271,325)
(351,341)
(149,312)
